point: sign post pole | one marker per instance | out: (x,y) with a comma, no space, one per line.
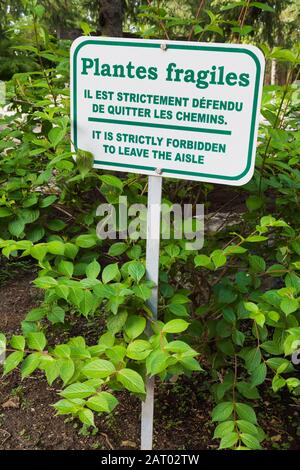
(152,270)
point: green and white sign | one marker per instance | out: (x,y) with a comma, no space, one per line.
(180,109)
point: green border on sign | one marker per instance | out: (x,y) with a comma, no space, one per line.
(172,46)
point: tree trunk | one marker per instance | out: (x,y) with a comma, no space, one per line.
(111,13)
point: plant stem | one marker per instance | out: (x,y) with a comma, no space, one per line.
(201,5)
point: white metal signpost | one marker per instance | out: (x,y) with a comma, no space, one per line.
(166,108)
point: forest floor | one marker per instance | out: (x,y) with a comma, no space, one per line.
(182,409)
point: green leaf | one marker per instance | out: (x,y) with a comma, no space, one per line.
(52,371)
(246,412)
(62,291)
(36,341)
(180,299)
(175,326)
(86,417)
(18,342)
(116,354)
(39,11)
(78,390)
(131,380)
(222,411)
(256,238)
(238,337)
(16,227)
(292,382)
(173,250)
(78,348)
(259,375)
(136,270)
(229,440)
(117,249)
(62,351)
(36,314)
(138,350)
(112,181)
(190,363)
(116,322)
(30,364)
(47,201)
(226,295)
(252,359)
(71,250)
(278,382)
(201,260)
(276,362)
(272,347)
(251,307)
(75,295)
(135,326)
(178,347)
(223,428)
(157,362)
(178,309)
(56,225)
(90,283)
(31,200)
(29,215)
(102,402)
(257,263)
(56,135)
(64,407)
(99,368)
(134,252)
(242,30)
(142,291)
(45,282)
(289,306)
(86,28)
(5,212)
(84,162)
(277,270)
(12,361)
(263,6)
(66,268)
(284,55)
(39,251)
(107,339)
(198,29)
(110,272)
(247,391)
(250,441)
(86,241)
(245,426)
(66,370)
(254,202)
(56,247)
(93,270)
(56,315)
(87,303)
(218,258)
(234,250)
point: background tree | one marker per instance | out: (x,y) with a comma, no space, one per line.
(105,16)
